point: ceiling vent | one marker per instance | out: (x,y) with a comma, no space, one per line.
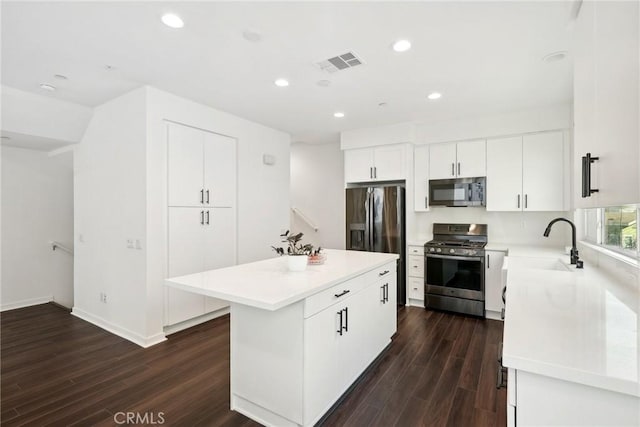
(340,62)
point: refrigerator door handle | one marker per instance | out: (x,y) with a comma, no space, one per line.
(367,229)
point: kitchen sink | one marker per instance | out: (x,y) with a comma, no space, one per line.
(536,263)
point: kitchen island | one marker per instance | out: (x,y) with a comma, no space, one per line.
(300,339)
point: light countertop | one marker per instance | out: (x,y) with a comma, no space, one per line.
(579,325)
(269,285)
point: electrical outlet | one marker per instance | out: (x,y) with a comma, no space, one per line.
(130,243)
(138,244)
(103,297)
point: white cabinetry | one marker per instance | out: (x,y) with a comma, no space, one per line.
(291,365)
(457,160)
(415,273)
(526,173)
(606,101)
(383,163)
(201,214)
(421,178)
(493,284)
(537,400)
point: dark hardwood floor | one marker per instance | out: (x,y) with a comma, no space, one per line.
(59,370)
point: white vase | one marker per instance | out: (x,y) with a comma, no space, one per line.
(297,262)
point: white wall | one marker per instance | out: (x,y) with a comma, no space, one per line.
(110,207)
(32,114)
(317,189)
(263,190)
(37,207)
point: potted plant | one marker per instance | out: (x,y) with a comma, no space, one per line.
(298,253)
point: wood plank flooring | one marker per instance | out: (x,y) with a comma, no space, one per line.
(59,370)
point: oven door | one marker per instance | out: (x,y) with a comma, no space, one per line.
(455,276)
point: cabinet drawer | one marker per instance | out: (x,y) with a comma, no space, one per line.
(376,274)
(416,288)
(416,266)
(416,250)
(324,299)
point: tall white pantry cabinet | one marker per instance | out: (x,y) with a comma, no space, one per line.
(201,213)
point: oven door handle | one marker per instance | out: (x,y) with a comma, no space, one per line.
(458,257)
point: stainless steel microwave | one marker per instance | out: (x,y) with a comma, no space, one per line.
(457,192)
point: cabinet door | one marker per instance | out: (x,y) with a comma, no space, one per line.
(185,250)
(504,174)
(389,163)
(219,170)
(442,160)
(185,165)
(543,172)
(493,280)
(421,178)
(472,159)
(584,105)
(220,246)
(324,377)
(358,165)
(617,135)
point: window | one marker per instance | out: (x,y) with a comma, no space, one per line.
(615,228)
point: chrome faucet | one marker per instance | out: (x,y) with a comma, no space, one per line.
(574,250)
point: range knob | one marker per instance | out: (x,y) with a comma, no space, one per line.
(438,250)
(452,251)
(432,250)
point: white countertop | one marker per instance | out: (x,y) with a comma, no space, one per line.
(269,285)
(579,326)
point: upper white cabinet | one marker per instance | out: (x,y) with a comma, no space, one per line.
(382,163)
(421,178)
(457,160)
(526,173)
(201,168)
(606,102)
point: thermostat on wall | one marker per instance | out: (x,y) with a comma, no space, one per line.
(268,159)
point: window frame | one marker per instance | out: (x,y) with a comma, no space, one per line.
(600,230)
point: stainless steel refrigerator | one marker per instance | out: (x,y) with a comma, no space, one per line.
(376,223)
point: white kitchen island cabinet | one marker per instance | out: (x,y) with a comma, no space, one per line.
(300,339)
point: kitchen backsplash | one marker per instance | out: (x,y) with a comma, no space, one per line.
(523,228)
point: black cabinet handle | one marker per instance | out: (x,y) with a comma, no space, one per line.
(371,172)
(207,196)
(383,273)
(346,319)
(526,201)
(426,202)
(386,293)
(453,169)
(501,379)
(458,168)
(340,328)
(202,196)
(346,291)
(202,217)
(518,201)
(207,217)
(586,175)
(383,294)
(504,295)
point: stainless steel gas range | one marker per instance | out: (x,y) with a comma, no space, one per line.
(454,268)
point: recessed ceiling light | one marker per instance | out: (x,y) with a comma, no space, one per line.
(252,36)
(323,83)
(281,83)
(338,114)
(5,137)
(172,20)
(48,87)
(434,95)
(109,67)
(60,77)
(402,45)
(382,104)
(555,56)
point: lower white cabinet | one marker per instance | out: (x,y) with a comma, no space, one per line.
(493,304)
(200,239)
(290,366)
(537,400)
(415,273)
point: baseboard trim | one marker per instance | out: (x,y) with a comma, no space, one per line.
(26,303)
(134,337)
(493,315)
(172,329)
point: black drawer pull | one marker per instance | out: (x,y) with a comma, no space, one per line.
(501,380)
(346,291)
(341,327)
(383,273)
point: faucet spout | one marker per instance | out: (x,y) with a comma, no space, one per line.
(574,248)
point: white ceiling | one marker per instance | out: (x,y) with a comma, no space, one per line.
(485,57)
